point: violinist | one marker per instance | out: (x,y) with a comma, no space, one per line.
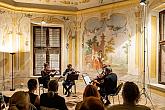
(46,73)
(107,81)
(67,84)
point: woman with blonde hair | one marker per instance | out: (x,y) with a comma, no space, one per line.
(20,101)
(90,90)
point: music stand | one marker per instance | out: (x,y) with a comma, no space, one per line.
(72,77)
(86,78)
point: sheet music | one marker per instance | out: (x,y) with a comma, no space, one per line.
(87,80)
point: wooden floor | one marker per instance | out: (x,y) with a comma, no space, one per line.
(157,100)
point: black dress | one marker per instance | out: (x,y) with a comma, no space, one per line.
(56,101)
(32,97)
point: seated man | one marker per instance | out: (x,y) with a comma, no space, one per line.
(107,83)
(52,99)
(46,75)
(67,84)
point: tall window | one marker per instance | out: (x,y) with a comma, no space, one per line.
(162,48)
(46,48)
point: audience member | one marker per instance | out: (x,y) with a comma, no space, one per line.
(131,97)
(32,86)
(52,99)
(20,101)
(92,103)
(90,90)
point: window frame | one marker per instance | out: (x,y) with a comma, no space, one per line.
(161,43)
(47,48)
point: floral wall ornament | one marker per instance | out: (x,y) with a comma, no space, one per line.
(2,11)
(28,15)
(74,2)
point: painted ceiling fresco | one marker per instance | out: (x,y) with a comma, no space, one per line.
(80,4)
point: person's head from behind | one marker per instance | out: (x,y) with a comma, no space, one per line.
(32,84)
(69,66)
(19,101)
(52,87)
(130,93)
(92,103)
(90,90)
(46,66)
(108,70)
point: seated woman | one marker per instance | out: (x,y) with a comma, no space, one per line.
(90,90)
(32,86)
(52,99)
(92,103)
(20,101)
(131,97)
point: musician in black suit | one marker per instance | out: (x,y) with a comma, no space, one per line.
(67,84)
(46,73)
(107,81)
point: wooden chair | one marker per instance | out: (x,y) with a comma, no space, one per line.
(40,81)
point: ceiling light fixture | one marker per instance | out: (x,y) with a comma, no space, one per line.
(143,2)
(43,22)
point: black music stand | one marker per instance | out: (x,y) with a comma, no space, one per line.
(72,77)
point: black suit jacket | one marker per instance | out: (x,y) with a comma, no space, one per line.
(57,101)
(109,84)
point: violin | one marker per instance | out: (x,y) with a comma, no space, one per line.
(48,73)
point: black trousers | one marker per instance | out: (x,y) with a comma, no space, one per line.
(67,85)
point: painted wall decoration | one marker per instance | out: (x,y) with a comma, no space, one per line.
(106,41)
(15,36)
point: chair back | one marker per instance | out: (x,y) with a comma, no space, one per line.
(118,88)
(47,108)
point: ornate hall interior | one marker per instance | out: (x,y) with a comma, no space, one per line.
(125,34)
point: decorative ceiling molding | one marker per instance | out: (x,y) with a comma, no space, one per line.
(157,5)
(77,2)
(47,9)
(116,5)
(39,9)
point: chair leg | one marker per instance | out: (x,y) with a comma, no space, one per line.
(118,99)
(75,88)
(63,89)
(42,89)
(39,90)
(113,99)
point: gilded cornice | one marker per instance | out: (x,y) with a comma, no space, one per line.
(116,5)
